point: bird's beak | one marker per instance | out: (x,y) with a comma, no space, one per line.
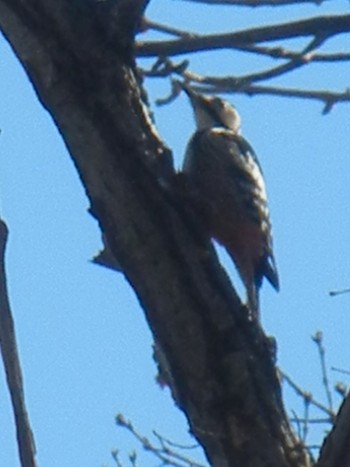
(197,100)
(191,94)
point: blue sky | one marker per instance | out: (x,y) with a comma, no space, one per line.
(84,343)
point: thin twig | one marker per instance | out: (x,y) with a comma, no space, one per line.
(310,421)
(115,456)
(328,98)
(133,458)
(305,420)
(318,339)
(155,26)
(334,293)
(296,62)
(164,441)
(164,453)
(164,67)
(297,422)
(340,370)
(313,447)
(283,53)
(306,395)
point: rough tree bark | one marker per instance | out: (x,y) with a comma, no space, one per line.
(79,58)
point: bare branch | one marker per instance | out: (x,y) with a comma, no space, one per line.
(9,351)
(242,84)
(328,26)
(257,3)
(163,452)
(165,67)
(282,53)
(328,98)
(231,85)
(318,339)
(115,456)
(340,370)
(165,441)
(310,421)
(334,293)
(273,52)
(298,61)
(307,396)
(306,420)
(149,24)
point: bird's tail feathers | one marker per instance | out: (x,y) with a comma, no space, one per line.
(269,270)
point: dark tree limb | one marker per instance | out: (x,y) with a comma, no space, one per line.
(79,58)
(273,52)
(328,26)
(335,451)
(10,357)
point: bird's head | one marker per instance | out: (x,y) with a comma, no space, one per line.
(211,111)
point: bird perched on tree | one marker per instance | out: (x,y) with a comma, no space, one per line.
(229,191)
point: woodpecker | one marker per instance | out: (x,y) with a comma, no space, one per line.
(230,192)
